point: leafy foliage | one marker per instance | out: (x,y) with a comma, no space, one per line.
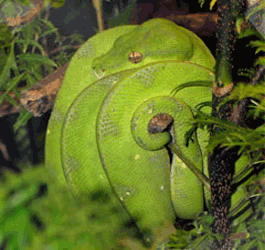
(246,234)
(26,56)
(37,212)
(250,230)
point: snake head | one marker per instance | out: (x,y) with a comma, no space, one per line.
(99,68)
(150,42)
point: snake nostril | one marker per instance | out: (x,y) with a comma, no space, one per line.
(160,123)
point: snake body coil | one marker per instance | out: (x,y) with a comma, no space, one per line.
(98,137)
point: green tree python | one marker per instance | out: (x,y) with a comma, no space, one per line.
(98,138)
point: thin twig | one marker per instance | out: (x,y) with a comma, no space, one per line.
(98,7)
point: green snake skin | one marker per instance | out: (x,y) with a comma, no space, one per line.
(97,137)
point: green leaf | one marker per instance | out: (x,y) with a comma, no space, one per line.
(22,120)
(6,36)
(51,29)
(212,4)
(36,58)
(248,245)
(249,32)
(261,245)
(21,195)
(10,63)
(57,3)
(11,85)
(260,61)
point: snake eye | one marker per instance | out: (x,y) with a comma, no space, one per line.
(135,57)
